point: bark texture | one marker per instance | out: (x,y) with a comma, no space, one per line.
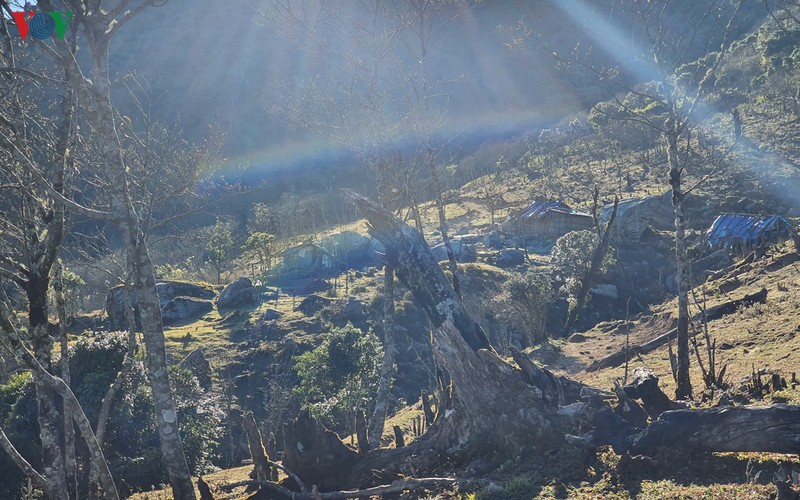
(773,429)
(387,368)
(684,384)
(496,409)
(94,97)
(594,269)
(256,444)
(499,410)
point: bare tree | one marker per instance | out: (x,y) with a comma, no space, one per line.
(670,100)
(32,228)
(96,23)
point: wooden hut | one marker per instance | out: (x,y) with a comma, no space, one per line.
(547,219)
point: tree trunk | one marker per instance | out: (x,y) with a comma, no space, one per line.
(684,384)
(69,426)
(49,416)
(127,365)
(443,226)
(156,360)
(95,98)
(361,432)
(114,388)
(256,444)
(49,383)
(498,410)
(387,368)
(774,429)
(427,409)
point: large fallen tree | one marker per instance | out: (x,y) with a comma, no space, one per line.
(500,410)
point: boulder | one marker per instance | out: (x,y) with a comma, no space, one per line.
(510,257)
(463,252)
(312,304)
(347,246)
(272,314)
(241,293)
(608,291)
(182,309)
(167,291)
(493,240)
(577,338)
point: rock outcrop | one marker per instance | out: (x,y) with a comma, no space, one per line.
(167,292)
(241,293)
(183,309)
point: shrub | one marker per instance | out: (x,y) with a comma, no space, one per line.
(339,376)
(572,256)
(524,302)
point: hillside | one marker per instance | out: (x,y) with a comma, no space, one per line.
(401,250)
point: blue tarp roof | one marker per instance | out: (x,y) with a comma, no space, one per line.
(746,229)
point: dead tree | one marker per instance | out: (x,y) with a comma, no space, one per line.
(32,227)
(494,403)
(96,26)
(500,410)
(13,344)
(256,444)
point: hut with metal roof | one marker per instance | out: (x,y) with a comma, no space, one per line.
(547,219)
(742,232)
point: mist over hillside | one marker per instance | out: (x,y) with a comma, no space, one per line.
(209,63)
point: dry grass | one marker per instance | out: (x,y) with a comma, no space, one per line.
(227,476)
(764,336)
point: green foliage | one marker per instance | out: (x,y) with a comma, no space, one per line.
(18,420)
(572,256)
(132,445)
(340,375)
(261,219)
(71,281)
(524,301)
(188,270)
(259,245)
(779,48)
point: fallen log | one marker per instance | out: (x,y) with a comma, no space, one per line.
(499,410)
(399,486)
(773,429)
(618,358)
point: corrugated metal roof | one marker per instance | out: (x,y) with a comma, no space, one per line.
(538,209)
(746,229)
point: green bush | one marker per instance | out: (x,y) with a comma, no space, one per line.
(572,256)
(339,376)
(132,445)
(524,302)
